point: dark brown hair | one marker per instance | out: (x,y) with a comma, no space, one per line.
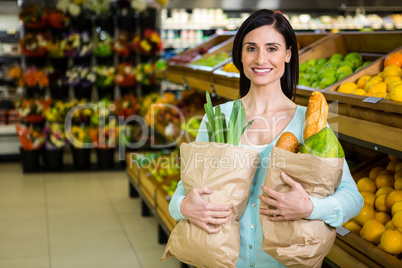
(260,18)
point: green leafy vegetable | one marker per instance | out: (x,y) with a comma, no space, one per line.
(218,130)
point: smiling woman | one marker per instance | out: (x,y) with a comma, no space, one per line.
(265,53)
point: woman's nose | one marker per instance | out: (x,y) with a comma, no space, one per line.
(261,57)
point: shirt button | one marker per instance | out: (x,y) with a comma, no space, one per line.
(250,247)
(254,183)
(251,264)
(252,225)
(253,205)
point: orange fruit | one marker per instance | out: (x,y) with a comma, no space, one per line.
(387,97)
(347,87)
(393,197)
(368,197)
(380,203)
(391,241)
(366,185)
(393,59)
(384,180)
(392,78)
(374,172)
(397,219)
(384,190)
(392,165)
(396,207)
(352,226)
(378,87)
(398,166)
(389,225)
(392,85)
(359,92)
(382,217)
(366,213)
(372,231)
(392,70)
(398,184)
(398,175)
(385,172)
(362,80)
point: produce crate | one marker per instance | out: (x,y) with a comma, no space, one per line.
(176,71)
(200,77)
(372,46)
(308,40)
(162,208)
(362,250)
(148,185)
(386,112)
(132,168)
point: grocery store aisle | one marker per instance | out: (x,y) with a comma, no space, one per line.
(74,220)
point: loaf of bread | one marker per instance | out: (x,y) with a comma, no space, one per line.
(287,141)
(316,114)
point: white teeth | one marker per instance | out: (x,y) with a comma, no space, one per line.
(262,70)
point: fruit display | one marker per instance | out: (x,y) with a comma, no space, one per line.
(380,220)
(212,60)
(188,55)
(386,84)
(230,68)
(321,73)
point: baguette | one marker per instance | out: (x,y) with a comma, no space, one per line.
(316,114)
(288,141)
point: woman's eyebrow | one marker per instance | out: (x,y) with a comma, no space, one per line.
(267,44)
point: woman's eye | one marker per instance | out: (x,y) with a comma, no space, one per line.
(250,49)
(272,49)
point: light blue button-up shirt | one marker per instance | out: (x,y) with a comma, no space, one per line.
(334,210)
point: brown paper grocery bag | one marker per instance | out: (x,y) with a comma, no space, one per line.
(302,243)
(229,171)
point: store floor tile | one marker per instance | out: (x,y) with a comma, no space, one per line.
(85,219)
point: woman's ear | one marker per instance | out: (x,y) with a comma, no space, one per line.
(288,55)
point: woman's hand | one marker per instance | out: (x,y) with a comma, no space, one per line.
(205,215)
(294,205)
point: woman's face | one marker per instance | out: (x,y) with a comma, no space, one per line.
(264,55)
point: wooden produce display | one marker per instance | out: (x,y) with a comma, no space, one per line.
(177,69)
(309,40)
(363,252)
(372,46)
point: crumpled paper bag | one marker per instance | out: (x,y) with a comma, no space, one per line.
(229,170)
(301,243)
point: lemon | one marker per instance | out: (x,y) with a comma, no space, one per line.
(380,203)
(380,94)
(378,87)
(366,213)
(359,92)
(392,70)
(377,78)
(392,78)
(368,197)
(397,219)
(369,83)
(372,231)
(392,84)
(391,241)
(366,185)
(382,217)
(347,87)
(362,80)
(397,206)
(375,171)
(396,93)
(384,190)
(353,227)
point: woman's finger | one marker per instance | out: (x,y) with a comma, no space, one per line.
(220,214)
